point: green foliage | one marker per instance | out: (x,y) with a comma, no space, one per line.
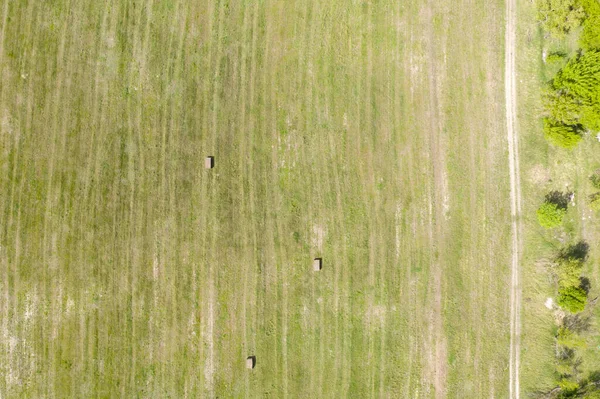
(589,389)
(550,215)
(572,102)
(595,179)
(560,108)
(591,7)
(559,17)
(568,386)
(572,299)
(589,38)
(595,202)
(569,339)
(569,271)
(555,57)
(564,136)
(590,392)
(579,81)
(593,393)
(565,366)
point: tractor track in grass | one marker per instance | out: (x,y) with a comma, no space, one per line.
(515,196)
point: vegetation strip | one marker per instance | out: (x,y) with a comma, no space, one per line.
(571,113)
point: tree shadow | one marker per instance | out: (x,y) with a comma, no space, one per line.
(559,198)
(585,284)
(577,251)
(577,323)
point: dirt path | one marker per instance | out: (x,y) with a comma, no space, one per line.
(515,196)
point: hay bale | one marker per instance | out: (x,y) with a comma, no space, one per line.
(250,362)
(317,264)
(209,162)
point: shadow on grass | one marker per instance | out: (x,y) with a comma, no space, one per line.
(585,284)
(577,323)
(577,251)
(559,198)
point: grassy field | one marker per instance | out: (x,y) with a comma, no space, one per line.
(546,168)
(369,133)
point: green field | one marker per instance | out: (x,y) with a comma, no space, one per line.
(369,133)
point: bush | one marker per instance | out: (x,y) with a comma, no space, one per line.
(569,339)
(590,116)
(564,366)
(579,80)
(591,391)
(591,7)
(572,299)
(595,179)
(590,36)
(568,386)
(569,272)
(559,17)
(555,57)
(564,136)
(550,215)
(595,202)
(560,108)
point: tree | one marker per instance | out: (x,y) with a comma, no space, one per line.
(591,7)
(569,272)
(560,135)
(559,17)
(589,39)
(560,108)
(572,101)
(580,79)
(550,215)
(572,299)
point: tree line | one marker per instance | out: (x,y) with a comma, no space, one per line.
(571,109)
(571,99)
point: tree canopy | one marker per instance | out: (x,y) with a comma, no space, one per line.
(572,299)
(550,215)
(579,82)
(559,17)
(565,136)
(572,100)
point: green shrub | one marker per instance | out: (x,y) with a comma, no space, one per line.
(595,202)
(564,136)
(589,39)
(579,81)
(572,299)
(555,57)
(564,366)
(568,387)
(591,391)
(560,108)
(559,17)
(591,7)
(569,272)
(569,339)
(550,215)
(595,179)
(590,116)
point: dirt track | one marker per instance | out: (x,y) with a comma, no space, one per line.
(515,196)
